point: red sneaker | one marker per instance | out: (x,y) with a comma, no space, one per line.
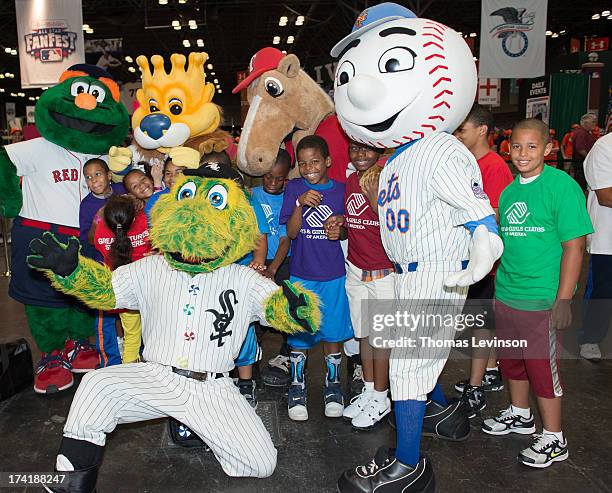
(53,373)
(82,356)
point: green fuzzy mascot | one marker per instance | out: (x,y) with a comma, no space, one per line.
(196,305)
(80,118)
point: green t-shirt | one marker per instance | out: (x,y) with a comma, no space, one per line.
(535,219)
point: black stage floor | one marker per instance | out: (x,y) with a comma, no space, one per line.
(312,454)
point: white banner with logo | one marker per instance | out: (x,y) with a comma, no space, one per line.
(513,38)
(489,91)
(50,34)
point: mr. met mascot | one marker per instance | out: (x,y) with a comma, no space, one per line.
(407,83)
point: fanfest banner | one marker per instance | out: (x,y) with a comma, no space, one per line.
(489,91)
(513,38)
(50,36)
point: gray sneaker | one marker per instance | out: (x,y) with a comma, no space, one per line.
(590,352)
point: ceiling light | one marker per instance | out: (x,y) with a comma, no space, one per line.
(7,74)
(548,33)
(44,88)
(85,27)
(175,23)
(186,43)
(32,98)
(216,81)
(200,43)
(300,20)
(284,52)
(163,2)
(460,33)
(563,31)
(21,94)
(554,35)
(283,20)
(191,21)
(276,40)
(473,35)
(1,90)
(212,73)
(209,66)
(7,50)
(89,31)
(129,59)
(132,69)
(182,1)
(13,94)
(193,26)
(1,76)
(595,17)
(177,28)
(13,52)
(37,97)
(605,13)
(290,40)
(475,59)
(220,91)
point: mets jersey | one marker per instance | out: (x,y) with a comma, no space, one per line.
(427,191)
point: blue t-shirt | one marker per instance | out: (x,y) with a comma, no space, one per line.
(313,256)
(90,205)
(271,205)
(152,201)
(262,224)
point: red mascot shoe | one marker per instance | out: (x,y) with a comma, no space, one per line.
(53,373)
(82,356)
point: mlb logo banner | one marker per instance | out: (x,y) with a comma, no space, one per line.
(513,39)
(50,36)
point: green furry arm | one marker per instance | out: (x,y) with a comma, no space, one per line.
(10,192)
(278,313)
(91,283)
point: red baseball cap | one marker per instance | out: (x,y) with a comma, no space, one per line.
(262,61)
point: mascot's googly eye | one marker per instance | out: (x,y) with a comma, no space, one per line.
(396,59)
(176,106)
(78,87)
(153,106)
(345,72)
(217,196)
(187,191)
(97,92)
(273,87)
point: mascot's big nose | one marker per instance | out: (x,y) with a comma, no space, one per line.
(154,125)
(365,91)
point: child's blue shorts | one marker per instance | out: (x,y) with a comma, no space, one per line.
(335,317)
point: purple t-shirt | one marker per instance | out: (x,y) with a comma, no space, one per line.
(89,206)
(313,256)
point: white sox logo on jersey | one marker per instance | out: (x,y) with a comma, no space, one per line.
(517,213)
(222,320)
(356,204)
(316,216)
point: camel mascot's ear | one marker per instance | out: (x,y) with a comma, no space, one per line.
(289,66)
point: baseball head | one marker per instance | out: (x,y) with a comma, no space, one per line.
(402,79)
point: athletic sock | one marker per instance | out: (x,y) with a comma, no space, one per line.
(380,396)
(557,434)
(409,423)
(437,395)
(332,361)
(368,386)
(495,368)
(297,361)
(523,412)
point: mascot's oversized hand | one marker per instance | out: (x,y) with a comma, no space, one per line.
(119,158)
(298,307)
(52,255)
(183,156)
(485,249)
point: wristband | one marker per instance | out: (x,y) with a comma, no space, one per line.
(297,202)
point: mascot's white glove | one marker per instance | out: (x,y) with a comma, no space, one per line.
(485,249)
(119,158)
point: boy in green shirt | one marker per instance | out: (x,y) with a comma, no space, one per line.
(543,224)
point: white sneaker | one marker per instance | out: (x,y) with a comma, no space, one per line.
(372,414)
(545,450)
(590,352)
(357,405)
(508,422)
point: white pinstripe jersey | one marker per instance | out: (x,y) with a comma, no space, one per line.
(426,193)
(197,323)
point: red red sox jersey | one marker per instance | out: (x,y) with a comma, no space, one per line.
(53,184)
(427,191)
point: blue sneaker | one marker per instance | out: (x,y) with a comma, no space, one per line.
(297,400)
(334,400)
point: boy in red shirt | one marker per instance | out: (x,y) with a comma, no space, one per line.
(484,374)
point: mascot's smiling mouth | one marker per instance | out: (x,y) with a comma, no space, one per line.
(177,257)
(382,126)
(81,125)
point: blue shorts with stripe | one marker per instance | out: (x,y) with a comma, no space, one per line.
(335,316)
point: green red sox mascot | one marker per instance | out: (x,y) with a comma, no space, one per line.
(80,118)
(407,82)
